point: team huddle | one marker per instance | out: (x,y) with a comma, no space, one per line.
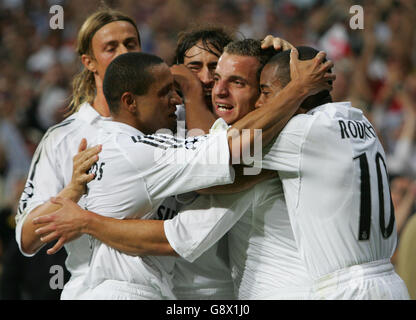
(148,214)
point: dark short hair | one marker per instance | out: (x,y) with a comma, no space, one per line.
(128,72)
(211,36)
(282,60)
(251,48)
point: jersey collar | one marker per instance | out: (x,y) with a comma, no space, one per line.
(115,126)
(345,104)
(87,113)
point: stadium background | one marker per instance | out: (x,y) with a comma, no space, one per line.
(375,69)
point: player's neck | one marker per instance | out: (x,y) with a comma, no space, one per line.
(100,105)
(126,118)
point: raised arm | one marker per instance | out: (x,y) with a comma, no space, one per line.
(198,113)
(308,78)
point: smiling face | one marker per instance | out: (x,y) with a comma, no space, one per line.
(156,109)
(203,63)
(110,41)
(236,87)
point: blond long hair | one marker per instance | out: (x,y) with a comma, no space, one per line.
(83,85)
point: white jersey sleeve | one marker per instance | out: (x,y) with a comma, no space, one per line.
(45,178)
(170,166)
(202,223)
(135,173)
(283,154)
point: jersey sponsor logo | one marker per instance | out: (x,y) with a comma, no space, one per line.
(356,129)
(97,170)
(165,213)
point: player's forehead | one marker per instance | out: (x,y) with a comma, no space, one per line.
(115,31)
(268,77)
(201,52)
(231,65)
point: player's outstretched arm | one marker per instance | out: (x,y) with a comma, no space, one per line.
(241,183)
(30,241)
(307,78)
(134,237)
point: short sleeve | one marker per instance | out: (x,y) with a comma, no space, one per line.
(283,154)
(170,166)
(201,224)
(43,182)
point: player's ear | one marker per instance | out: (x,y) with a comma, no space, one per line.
(89,63)
(129,102)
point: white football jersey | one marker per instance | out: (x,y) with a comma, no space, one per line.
(334,176)
(134,174)
(264,257)
(205,221)
(50,172)
(209,276)
(206,278)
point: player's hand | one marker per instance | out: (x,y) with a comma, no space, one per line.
(186,80)
(82,162)
(275,42)
(65,224)
(312,75)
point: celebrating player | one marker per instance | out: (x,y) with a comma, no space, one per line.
(126,236)
(104,35)
(337,192)
(199,49)
(209,276)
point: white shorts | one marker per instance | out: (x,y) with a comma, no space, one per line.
(121,290)
(376,280)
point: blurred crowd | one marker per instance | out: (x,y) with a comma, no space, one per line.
(375,68)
